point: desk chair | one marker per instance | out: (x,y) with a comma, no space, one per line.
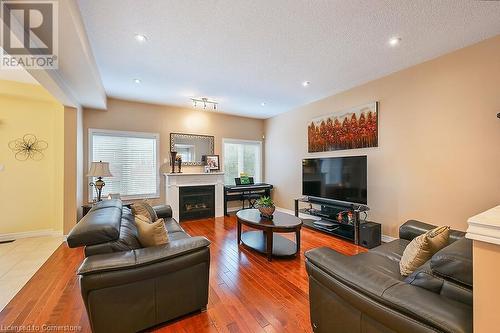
(250,197)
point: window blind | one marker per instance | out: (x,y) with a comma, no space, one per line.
(133,162)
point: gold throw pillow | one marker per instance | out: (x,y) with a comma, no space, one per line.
(438,238)
(422,248)
(145,209)
(151,233)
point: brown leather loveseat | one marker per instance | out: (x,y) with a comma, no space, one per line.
(127,288)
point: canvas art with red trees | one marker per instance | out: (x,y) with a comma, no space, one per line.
(350,129)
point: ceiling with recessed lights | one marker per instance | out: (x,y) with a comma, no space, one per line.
(261,58)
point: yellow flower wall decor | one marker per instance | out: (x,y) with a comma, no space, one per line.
(28,147)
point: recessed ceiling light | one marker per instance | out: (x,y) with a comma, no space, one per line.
(137,81)
(141,38)
(394,41)
(306,83)
(263,104)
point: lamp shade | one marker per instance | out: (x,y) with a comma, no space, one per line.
(99,169)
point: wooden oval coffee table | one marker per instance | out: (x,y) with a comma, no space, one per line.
(266,240)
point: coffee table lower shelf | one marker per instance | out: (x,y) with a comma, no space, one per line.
(256,240)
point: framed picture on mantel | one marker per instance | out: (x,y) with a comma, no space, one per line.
(348,129)
(212,161)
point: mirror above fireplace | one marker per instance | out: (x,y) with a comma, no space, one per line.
(191,147)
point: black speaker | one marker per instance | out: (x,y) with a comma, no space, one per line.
(370,234)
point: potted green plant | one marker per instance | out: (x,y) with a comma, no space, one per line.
(266,207)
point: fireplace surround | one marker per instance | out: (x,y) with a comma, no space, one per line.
(177,184)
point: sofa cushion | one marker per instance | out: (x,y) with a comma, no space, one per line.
(172,225)
(431,309)
(100,225)
(392,250)
(424,277)
(178,235)
(107,204)
(128,237)
(454,262)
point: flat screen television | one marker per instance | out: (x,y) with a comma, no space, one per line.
(335,178)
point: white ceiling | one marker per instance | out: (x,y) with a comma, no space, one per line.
(243,53)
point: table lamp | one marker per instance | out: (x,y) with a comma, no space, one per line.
(99,169)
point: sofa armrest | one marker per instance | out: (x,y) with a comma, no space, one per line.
(163,211)
(413,228)
(141,257)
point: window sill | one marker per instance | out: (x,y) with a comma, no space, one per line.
(129,199)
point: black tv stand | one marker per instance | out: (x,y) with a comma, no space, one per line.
(337,218)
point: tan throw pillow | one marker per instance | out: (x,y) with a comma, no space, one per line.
(438,238)
(151,233)
(142,218)
(422,248)
(143,208)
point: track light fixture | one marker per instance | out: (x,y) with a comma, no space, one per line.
(205,102)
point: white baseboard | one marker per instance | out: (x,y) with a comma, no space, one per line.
(28,234)
(233,209)
(385,238)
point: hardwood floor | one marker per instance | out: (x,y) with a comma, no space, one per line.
(247,293)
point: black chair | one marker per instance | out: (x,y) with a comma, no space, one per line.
(250,197)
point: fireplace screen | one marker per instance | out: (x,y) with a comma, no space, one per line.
(196,202)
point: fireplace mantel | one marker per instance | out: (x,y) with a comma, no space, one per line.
(175,180)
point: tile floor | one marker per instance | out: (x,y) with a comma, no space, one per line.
(19,260)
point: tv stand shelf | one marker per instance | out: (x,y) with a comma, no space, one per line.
(328,222)
(342,231)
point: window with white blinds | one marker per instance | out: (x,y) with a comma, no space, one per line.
(242,156)
(133,162)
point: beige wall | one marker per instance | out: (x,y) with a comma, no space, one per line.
(438,156)
(133,116)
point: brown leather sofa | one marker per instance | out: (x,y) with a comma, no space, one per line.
(127,288)
(366,293)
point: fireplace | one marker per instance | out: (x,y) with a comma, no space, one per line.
(174,182)
(196,202)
